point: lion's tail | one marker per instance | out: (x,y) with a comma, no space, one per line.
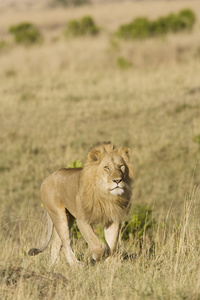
(35,251)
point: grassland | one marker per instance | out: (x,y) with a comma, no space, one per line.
(60,97)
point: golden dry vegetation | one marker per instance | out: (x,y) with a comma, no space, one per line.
(60,97)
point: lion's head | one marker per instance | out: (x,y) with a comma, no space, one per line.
(106,182)
(113,170)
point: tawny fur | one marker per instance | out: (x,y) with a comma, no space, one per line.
(98,193)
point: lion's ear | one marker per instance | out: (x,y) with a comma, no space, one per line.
(125,153)
(94,156)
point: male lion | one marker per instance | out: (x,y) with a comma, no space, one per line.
(99,193)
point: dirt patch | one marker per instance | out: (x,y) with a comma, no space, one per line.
(12,276)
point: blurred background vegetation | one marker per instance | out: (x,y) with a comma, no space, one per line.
(73,75)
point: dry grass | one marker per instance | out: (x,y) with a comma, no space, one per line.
(60,97)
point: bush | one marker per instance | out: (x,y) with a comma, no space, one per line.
(187,18)
(84,26)
(25,33)
(139,28)
(69,2)
(75,164)
(143,28)
(140,221)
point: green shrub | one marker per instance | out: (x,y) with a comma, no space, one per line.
(187,18)
(139,28)
(143,28)
(75,164)
(123,63)
(25,33)
(140,221)
(84,26)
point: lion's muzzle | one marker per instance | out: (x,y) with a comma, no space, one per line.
(117,188)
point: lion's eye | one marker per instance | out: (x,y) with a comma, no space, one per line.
(106,168)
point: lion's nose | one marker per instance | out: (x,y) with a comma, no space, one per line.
(117,181)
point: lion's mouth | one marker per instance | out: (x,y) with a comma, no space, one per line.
(116,187)
(117,190)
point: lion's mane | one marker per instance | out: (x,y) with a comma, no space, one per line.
(98,206)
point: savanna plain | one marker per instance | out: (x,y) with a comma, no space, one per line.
(58,98)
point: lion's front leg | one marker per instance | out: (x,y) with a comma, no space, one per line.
(98,250)
(111,236)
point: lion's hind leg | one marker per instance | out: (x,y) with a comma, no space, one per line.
(55,247)
(63,223)
(56,241)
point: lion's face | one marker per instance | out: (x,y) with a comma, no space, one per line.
(112,171)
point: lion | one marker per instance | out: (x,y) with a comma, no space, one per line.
(98,193)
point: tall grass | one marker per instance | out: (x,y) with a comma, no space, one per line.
(59,98)
(168,269)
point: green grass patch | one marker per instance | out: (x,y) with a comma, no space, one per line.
(10,73)
(196,139)
(123,63)
(3,45)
